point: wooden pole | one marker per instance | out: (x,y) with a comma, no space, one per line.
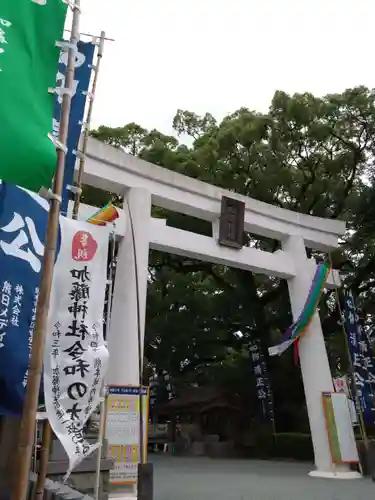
(104,395)
(86,132)
(47,431)
(26,438)
(43,461)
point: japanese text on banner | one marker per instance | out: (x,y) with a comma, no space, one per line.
(263,386)
(362,360)
(82,75)
(23,222)
(75,355)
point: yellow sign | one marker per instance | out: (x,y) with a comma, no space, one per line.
(123,431)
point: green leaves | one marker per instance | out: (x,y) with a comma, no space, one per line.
(188,123)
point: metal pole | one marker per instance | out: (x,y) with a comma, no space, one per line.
(86,132)
(103,401)
(25,446)
(93,36)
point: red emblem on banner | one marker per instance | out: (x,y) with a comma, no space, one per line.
(83,247)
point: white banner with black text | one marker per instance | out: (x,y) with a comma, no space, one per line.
(76,357)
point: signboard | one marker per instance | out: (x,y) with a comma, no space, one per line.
(123,431)
(339,428)
(232,223)
(75,357)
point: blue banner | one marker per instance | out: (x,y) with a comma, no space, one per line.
(263,386)
(160,387)
(83,68)
(362,359)
(23,221)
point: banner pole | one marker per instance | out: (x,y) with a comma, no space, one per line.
(361,419)
(362,425)
(25,445)
(104,392)
(86,132)
(43,460)
(46,442)
(93,36)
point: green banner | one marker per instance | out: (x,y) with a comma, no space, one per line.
(29,58)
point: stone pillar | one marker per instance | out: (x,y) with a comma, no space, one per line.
(316,373)
(123,368)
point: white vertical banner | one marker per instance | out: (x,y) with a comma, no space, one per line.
(341,386)
(76,357)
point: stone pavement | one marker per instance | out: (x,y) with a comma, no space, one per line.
(182,478)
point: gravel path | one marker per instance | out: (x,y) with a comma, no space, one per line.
(180,478)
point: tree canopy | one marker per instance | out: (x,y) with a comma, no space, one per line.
(314,155)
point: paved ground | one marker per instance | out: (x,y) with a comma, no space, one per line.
(178,478)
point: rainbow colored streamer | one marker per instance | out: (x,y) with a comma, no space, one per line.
(298,328)
(104,215)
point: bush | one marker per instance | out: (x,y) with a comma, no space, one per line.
(285,445)
(290,445)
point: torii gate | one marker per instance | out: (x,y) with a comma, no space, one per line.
(145,184)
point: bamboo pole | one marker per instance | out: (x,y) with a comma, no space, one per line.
(43,461)
(25,446)
(47,431)
(103,400)
(86,132)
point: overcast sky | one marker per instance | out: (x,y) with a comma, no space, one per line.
(219,55)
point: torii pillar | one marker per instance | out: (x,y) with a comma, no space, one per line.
(316,372)
(123,367)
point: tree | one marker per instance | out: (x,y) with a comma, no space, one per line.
(307,154)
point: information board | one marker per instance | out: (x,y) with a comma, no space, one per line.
(339,428)
(123,431)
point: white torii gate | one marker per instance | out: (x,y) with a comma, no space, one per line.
(145,184)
